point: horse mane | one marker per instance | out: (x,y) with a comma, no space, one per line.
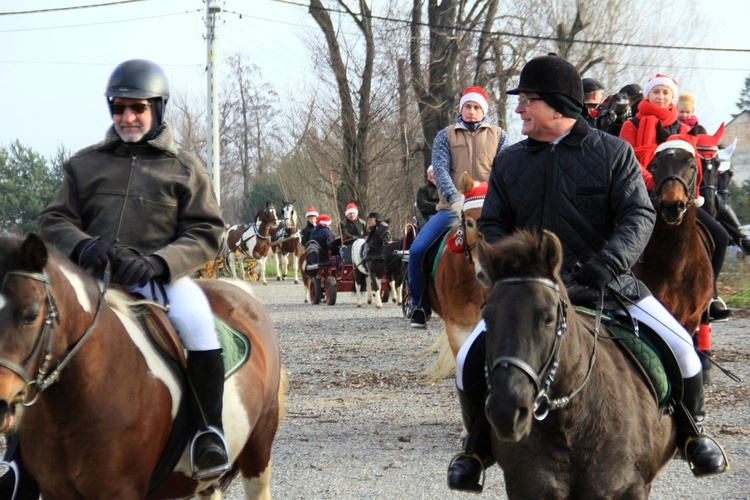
(522,253)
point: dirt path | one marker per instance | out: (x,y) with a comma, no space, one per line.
(362,423)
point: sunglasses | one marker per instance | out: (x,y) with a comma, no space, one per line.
(138,108)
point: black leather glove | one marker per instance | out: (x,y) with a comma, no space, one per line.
(139,270)
(92,254)
(594,274)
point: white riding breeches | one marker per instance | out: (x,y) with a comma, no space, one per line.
(652,313)
(189,312)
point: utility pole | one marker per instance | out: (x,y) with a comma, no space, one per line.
(212,142)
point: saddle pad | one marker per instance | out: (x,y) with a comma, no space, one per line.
(644,352)
(235,346)
(438,253)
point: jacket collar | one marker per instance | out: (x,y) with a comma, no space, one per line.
(164,141)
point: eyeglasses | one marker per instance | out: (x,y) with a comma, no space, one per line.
(526,101)
(138,108)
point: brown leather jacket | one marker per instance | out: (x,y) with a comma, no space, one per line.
(150,197)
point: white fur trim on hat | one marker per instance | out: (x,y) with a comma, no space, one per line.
(676,144)
(474,97)
(473,202)
(660,80)
(311,213)
(352,211)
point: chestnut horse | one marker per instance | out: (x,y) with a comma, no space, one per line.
(286,243)
(676,265)
(571,414)
(250,241)
(455,294)
(99,400)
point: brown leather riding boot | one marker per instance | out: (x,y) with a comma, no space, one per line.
(209,455)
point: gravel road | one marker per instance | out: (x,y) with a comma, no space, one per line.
(362,423)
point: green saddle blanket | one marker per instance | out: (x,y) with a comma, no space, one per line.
(643,351)
(235,346)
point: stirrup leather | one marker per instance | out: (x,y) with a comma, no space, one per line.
(478,459)
(692,466)
(211,472)
(12,467)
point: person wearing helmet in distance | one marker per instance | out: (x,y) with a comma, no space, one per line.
(138,202)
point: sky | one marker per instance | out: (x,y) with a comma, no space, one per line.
(64,58)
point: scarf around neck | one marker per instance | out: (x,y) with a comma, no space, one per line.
(649,115)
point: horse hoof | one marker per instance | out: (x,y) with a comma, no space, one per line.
(264,282)
(380,306)
(278,279)
(359,305)
(296,282)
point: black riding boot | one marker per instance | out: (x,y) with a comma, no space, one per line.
(466,469)
(208,450)
(704,455)
(17,478)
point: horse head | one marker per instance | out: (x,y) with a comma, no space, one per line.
(266,218)
(474,193)
(525,317)
(614,109)
(675,174)
(38,291)
(714,164)
(380,235)
(288,214)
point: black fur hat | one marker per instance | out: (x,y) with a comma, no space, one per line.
(591,85)
(550,74)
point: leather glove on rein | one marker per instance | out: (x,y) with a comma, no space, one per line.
(92,254)
(594,274)
(139,270)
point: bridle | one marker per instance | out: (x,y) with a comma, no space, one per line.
(42,351)
(543,379)
(688,186)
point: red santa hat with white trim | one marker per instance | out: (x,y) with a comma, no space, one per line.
(660,79)
(324,220)
(311,212)
(474,94)
(351,208)
(475,197)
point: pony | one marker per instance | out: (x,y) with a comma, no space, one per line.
(571,414)
(286,242)
(93,399)
(369,259)
(455,293)
(676,264)
(241,241)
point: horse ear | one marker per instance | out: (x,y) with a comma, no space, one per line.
(485,273)
(550,251)
(33,253)
(661,133)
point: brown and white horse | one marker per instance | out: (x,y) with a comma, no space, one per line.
(241,241)
(286,242)
(94,402)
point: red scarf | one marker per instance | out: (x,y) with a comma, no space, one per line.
(649,114)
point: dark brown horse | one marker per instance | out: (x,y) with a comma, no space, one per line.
(98,398)
(286,243)
(675,265)
(572,417)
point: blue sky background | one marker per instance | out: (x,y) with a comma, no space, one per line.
(54,66)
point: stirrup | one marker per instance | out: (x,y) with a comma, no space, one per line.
(721,302)
(211,472)
(692,465)
(478,459)
(12,467)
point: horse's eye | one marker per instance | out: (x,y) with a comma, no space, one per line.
(470,223)
(28,315)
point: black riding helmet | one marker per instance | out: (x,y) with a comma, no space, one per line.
(140,79)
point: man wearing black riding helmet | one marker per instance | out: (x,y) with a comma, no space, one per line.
(138,202)
(585,186)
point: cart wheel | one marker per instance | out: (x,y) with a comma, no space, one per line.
(317,291)
(405,295)
(331,291)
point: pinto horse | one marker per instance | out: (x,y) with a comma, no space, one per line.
(250,241)
(369,259)
(571,414)
(455,293)
(99,400)
(676,264)
(286,242)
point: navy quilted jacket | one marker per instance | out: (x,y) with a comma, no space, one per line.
(597,205)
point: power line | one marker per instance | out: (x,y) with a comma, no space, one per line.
(75,7)
(99,23)
(533,37)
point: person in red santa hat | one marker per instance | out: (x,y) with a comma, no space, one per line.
(312,219)
(354,227)
(658,108)
(468,145)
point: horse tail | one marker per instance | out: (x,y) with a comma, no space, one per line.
(444,364)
